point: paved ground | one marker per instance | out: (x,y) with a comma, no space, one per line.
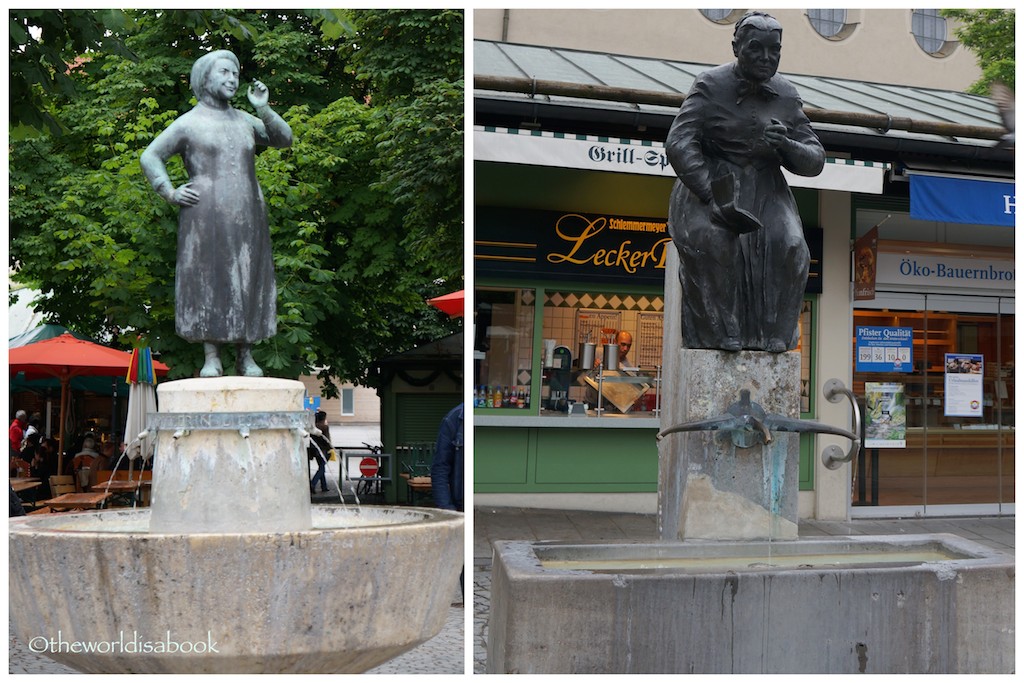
(511,524)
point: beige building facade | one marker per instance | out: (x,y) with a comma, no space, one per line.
(688,35)
(354,416)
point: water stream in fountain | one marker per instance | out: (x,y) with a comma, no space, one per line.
(117,463)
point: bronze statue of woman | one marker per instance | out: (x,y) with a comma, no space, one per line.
(224,286)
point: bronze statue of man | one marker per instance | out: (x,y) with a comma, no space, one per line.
(743,259)
(224,286)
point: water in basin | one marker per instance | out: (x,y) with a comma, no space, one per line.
(752,562)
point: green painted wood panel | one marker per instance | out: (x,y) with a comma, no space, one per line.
(501,457)
(596,456)
(545,460)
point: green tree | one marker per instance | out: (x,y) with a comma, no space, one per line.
(989,34)
(365,207)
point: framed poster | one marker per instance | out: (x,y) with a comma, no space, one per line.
(885,415)
(965,373)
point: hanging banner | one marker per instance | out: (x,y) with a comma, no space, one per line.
(865,262)
(962,200)
(885,419)
(885,349)
(965,373)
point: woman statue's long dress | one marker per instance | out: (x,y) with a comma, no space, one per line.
(225,292)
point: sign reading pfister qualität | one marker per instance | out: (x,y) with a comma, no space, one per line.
(885,349)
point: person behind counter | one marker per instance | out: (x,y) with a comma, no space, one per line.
(624,340)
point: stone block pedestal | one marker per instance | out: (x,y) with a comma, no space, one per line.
(230,480)
(709,488)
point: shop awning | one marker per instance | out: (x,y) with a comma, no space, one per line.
(643,157)
(959,199)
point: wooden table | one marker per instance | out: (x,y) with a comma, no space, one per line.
(120,488)
(71,501)
(23,484)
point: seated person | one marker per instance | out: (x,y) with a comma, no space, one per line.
(103,462)
(81,465)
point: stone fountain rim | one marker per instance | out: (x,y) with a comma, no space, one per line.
(47,525)
(521,559)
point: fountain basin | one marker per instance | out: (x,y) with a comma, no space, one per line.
(100,593)
(930,603)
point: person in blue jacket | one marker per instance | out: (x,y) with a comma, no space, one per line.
(446,472)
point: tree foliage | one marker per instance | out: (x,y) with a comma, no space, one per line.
(990,35)
(365,207)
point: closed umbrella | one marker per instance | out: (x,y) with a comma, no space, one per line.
(453,304)
(141,380)
(65,357)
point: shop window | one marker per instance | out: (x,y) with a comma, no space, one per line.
(939,430)
(832,24)
(930,32)
(606,353)
(503,353)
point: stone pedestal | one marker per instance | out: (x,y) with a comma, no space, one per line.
(230,480)
(709,488)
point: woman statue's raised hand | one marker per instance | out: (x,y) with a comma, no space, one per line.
(258,94)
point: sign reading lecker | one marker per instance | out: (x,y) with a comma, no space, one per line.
(885,417)
(885,349)
(965,373)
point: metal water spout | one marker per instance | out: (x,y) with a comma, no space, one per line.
(748,424)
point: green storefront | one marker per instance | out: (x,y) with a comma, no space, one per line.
(563,258)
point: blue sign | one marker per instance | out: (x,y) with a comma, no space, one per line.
(962,200)
(885,349)
(312,403)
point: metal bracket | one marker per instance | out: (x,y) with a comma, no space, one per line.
(832,457)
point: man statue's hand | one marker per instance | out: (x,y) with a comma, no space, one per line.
(776,134)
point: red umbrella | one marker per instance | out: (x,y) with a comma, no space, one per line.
(453,304)
(65,357)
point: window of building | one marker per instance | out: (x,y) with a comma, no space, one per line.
(607,352)
(930,31)
(935,437)
(503,357)
(722,16)
(833,24)
(348,401)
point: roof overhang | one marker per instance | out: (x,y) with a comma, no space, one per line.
(632,97)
